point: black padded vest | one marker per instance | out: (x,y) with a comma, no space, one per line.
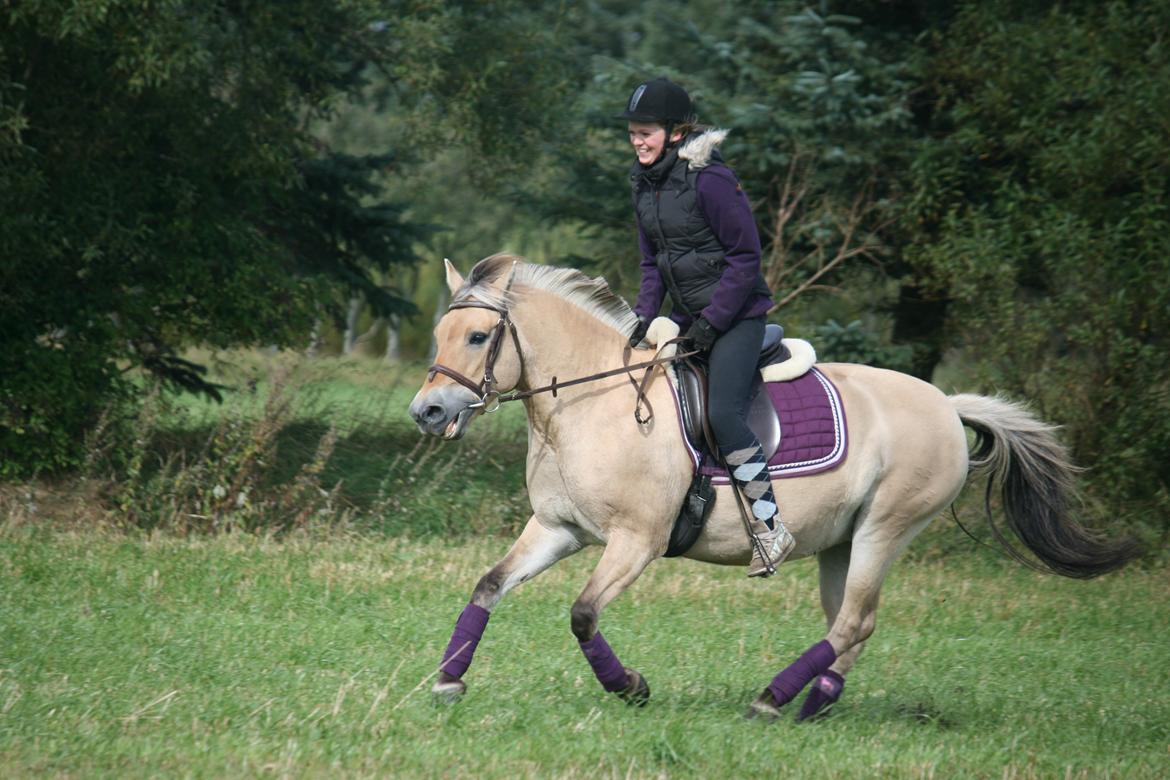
(689,256)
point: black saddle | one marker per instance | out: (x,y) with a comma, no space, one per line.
(762,420)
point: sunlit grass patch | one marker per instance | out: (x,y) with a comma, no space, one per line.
(297,444)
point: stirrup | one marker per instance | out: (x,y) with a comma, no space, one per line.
(767,553)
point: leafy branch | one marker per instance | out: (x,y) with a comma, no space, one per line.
(808,243)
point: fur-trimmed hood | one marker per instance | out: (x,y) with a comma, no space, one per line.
(703,149)
(699,151)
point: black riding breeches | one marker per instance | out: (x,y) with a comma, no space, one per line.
(732,368)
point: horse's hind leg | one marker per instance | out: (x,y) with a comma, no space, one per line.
(826,689)
(622,562)
(854,622)
(537,548)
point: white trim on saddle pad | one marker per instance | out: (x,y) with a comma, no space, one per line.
(663,329)
(827,462)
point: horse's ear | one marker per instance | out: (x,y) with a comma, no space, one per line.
(454,278)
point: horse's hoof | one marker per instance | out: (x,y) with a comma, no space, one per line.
(824,693)
(637,693)
(763,708)
(449,691)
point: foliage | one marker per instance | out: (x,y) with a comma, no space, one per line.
(224,485)
(816,104)
(304,444)
(159,189)
(856,343)
(1040,209)
(981,181)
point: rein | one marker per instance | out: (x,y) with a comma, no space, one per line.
(491,399)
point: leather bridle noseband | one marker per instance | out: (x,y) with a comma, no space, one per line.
(491,399)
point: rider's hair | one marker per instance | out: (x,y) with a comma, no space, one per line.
(684,129)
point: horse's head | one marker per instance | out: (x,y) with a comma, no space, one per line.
(477,359)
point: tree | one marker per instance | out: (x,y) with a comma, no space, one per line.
(1040,210)
(160,187)
(818,118)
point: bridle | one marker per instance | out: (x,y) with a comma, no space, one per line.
(491,399)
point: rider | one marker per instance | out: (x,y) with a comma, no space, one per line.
(699,243)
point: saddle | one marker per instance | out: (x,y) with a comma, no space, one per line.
(788,394)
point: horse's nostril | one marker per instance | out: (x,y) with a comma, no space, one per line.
(434,414)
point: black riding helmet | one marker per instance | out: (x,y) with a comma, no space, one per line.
(661,101)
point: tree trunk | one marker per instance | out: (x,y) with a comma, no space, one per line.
(315,339)
(351,321)
(440,310)
(920,322)
(393,339)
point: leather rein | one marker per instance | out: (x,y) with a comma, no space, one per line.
(491,399)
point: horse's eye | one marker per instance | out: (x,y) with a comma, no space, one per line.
(477,338)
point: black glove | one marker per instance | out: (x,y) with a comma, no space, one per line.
(702,335)
(639,332)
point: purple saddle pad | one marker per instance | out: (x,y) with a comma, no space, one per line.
(813,433)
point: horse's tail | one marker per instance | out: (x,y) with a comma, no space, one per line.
(1038,490)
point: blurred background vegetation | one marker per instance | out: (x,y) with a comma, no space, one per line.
(972,192)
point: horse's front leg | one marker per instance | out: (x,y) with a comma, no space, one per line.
(624,559)
(537,548)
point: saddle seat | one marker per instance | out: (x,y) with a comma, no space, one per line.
(761,417)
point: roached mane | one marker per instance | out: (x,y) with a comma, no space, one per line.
(489,276)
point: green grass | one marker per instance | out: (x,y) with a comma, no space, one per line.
(237,655)
(171,643)
(321,442)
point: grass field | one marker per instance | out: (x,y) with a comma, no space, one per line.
(235,655)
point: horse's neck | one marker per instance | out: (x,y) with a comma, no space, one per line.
(560,340)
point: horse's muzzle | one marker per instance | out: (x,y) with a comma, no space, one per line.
(444,411)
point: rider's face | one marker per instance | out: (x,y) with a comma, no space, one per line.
(648,139)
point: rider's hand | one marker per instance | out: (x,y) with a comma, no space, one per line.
(702,335)
(639,332)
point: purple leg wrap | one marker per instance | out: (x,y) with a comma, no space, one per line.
(824,692)
(606,666)
(468,630)
(816,660)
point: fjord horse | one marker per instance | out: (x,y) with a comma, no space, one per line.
(596,476)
